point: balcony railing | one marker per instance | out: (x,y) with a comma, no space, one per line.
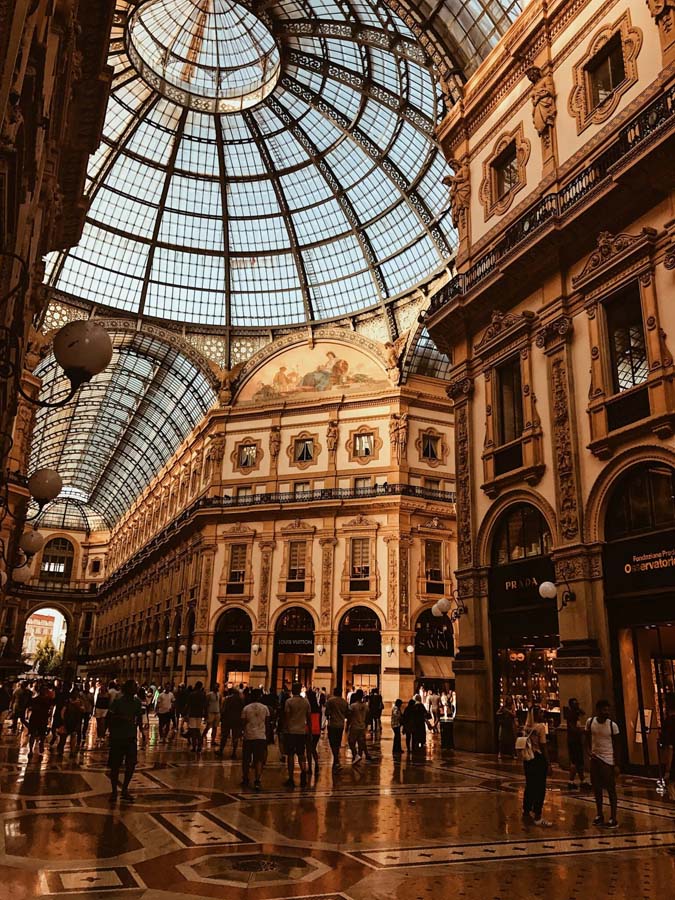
(56,586)
(630,138)
(321,495)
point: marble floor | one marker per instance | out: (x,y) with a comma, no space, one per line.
(446,826)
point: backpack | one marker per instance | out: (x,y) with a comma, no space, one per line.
(524,749)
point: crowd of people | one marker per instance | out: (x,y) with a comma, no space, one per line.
(56,714)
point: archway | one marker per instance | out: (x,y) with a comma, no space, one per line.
(293,648)
(232,648)
(359,650)
(524,626)
(44,640)
(639,582)
(434,652)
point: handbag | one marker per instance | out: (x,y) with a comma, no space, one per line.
(524,747)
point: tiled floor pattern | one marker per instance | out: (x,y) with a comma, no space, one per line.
(445,826)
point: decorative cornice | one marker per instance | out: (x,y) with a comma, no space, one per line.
(554,331)
(503,326)
(613,250)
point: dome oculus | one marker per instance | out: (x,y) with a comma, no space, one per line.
(207,55)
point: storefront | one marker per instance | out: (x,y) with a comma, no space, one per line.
(359,650)
(523,625)
(639,572)
(293,649)
(232,648)
(434,653)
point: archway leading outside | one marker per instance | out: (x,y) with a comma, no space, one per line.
(44,640)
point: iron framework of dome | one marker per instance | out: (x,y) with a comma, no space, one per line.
(268,164)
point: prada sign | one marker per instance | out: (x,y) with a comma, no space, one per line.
(640,564)
(517,585)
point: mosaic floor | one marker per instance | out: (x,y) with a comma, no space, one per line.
(448,826)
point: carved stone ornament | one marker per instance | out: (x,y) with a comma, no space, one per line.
(460,194)
(394,352)
(398,435)
(542,94)
(362,521)
(462,462)
(568,515)
(460,389)
(503,326)
(612,249)
(552,331)
(494,202)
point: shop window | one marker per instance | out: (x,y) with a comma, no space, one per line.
(606,71)
(363,445)
(57,560)
(433,565)
(522,534)
(627,347)
(642,501)
(237,571)
(359,579)
(506,170)
(304,450)
(247,455)
(297,553)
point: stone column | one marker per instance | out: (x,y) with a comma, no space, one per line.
(261,664)
(325,666)
(578,569)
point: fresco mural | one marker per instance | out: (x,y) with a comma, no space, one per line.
(302,370)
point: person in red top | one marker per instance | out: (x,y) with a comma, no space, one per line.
(313,733)
(40,709)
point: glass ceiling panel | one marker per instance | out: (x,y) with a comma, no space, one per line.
(221,162)
(123,426)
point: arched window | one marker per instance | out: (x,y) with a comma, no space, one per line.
(234,620)
(57,560)
(643,500)
(360,618)
(295,619)
(522,534)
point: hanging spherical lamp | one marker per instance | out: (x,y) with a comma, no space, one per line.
(82,349)
(45,485)
(31,542)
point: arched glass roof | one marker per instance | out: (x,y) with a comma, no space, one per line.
(108,444)
(267,163)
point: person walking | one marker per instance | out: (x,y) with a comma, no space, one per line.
(314,733)
(212,714)
(407,725)
(375,708)
(602,737)
(573,714)
(195,709)
(101,706)
(358,718)
(419,717)
(337,710)
(39,709)
(72,716)
(434,706)
(164,708)
(536,768)
(396,727)
(5,704)
(123,718)
(508,726)
(254,717)
(230,721)
(297,721)
(88,705)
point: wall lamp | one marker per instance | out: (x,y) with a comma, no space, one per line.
(196,648)
(410,649)
(390,649)
(182,648)
(255,649)
(321,649)
(549,591)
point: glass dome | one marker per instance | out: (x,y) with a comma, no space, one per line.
(211,55)
(269,168)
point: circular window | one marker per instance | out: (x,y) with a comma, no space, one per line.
(208,55)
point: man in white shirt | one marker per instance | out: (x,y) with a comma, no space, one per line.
(212,714)
(602,740)
(164,707)
(254,718)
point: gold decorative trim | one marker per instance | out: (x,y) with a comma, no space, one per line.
(492,203)
(580,100)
